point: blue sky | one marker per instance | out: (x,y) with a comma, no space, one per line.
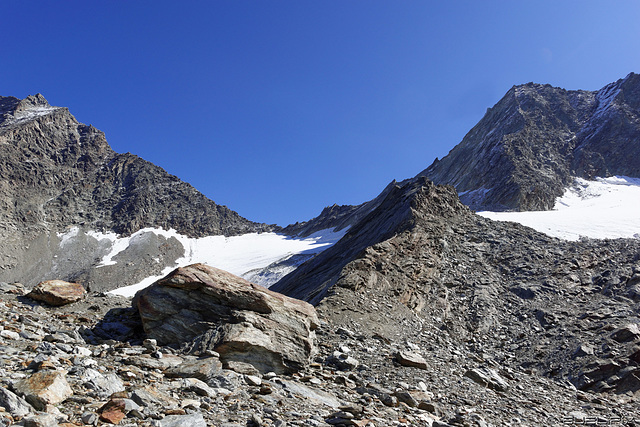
(279,108)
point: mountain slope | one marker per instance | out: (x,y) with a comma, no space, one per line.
(531,145)
(57,173)
(422,268)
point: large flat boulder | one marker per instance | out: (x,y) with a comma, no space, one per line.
(57,292)
(211,309)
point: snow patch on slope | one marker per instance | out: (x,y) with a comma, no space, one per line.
(30,113)
(606,208)
(240,255)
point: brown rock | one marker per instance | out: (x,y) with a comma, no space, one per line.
(57,292)
(241,321)
(113,411)
(43,388)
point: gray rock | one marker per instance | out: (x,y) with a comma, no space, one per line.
(199,387)
(203,369)
(342,361)
(41,420)
(103,385)
(192,420)
(313,394)
(488,378)
(14,404)
(629,332)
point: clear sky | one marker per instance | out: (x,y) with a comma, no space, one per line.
(279,108)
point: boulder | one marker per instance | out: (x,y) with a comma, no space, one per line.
(44,388)
(57,292)
(211,310)
(488,378)
(627,333)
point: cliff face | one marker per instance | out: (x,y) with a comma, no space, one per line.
(531,145)
(56,173)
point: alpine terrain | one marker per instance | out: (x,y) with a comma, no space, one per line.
(407,310)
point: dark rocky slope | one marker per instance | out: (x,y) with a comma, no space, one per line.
(57,173)
(531,145)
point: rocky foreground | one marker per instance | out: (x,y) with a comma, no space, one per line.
(90,362)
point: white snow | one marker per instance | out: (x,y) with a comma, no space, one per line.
(606,208)
(30,114)
(238,254)
(68,236)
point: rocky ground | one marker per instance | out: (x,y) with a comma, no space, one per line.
(88,363)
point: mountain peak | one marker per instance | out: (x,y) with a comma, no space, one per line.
(531,145)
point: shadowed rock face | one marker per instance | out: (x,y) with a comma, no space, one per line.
(531,145)
(403,203)
(243,322)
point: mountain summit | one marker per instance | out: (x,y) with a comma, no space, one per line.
(58,173)
(531,145)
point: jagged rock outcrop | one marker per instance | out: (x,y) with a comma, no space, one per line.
(243,322)
(57,173)
(529,147)
(400,206)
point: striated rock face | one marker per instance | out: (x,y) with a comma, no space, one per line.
(241,321)
(57,292)
(531,145)
(56,173)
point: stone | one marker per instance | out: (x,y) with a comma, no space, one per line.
(148,362)
(44,388)
(41,420)
(241,321)
(152,396)
(57,292)
(199,387)
(14,404)
(583,350)
(11,335)
(89,418)
(629,332)
(487,377)
(114,411)
(202,368)
(313,394)
(411,359)
(191,420)
(103,385)
(253,380)
(342,361)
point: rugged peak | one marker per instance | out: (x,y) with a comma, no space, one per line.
(56,173)
(31,101)
(531,145)
(14,110)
